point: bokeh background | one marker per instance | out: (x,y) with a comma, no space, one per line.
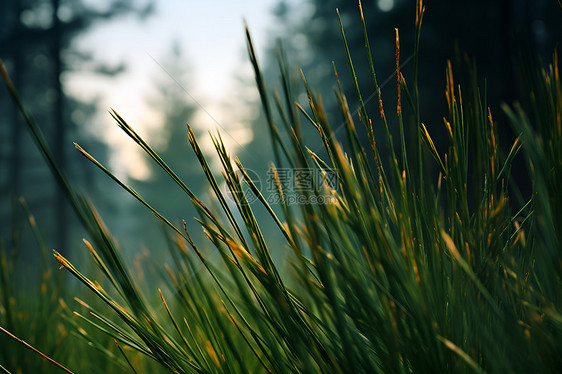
(161,64)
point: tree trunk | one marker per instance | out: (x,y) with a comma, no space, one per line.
(61,214)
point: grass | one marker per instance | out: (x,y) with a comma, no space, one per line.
(397,272)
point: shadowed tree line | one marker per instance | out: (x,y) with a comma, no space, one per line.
(36,45)
(496,39)
(494,33)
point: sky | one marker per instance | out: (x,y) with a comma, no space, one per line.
(211,36)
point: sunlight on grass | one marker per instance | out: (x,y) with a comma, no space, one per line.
(395,272)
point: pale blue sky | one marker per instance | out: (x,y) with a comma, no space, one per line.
(211,35)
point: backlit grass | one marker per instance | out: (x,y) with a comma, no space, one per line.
(396,271)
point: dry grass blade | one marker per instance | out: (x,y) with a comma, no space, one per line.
(453,347)
(35,350)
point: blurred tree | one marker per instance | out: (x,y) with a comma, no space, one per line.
(171,100)
(493,33)
(35,44)
(490,31)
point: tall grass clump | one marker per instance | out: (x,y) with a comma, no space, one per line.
(392,270)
